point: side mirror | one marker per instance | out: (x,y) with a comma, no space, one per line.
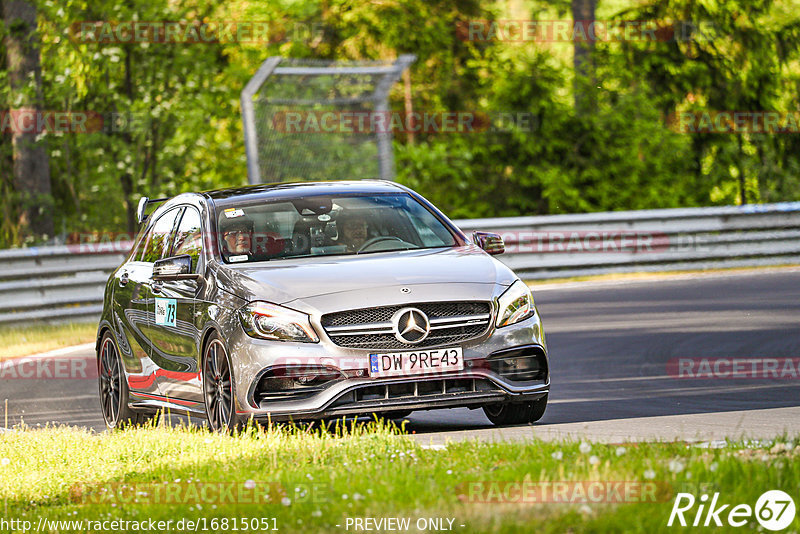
(491,243)
(174,268)
(140,216)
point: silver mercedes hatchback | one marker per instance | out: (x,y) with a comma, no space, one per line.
(315,300)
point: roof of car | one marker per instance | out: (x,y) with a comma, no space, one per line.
(301,189)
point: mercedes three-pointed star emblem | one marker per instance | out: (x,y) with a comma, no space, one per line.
(410,325)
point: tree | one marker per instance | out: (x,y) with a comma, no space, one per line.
(31,167)
(739,55)
(583,14)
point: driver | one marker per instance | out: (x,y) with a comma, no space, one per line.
(353,231)
(237,235)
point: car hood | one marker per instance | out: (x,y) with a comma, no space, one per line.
(293,280)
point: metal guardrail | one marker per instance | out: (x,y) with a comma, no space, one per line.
(66,282)
(558,246)
(57,283)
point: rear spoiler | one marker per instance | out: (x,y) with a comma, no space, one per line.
(143,203)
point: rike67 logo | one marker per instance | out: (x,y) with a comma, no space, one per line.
(774,510)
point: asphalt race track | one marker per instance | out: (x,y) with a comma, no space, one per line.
(610,346)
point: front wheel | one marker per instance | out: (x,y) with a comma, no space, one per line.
(516,413)
(114,389)
(218,391)
(396,414)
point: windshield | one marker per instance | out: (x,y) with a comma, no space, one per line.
(327,226)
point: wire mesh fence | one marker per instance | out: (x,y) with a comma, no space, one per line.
(315,120)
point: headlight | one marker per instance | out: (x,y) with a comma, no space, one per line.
(515,305)
(270,321)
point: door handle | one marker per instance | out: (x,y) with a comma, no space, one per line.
(123,279)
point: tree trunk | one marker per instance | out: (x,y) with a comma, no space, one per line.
(583,13)
(742,177)
(127,176)
(31,164)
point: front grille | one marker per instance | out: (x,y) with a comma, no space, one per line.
(371,328)
(383,314)
(388,341)
(419,390)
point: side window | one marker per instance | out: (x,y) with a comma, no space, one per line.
(189,237)
(143,245)
(158,239)
(136,254)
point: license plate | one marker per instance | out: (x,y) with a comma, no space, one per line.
(417,362)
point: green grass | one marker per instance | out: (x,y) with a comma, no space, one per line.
(25,340)
(311,480)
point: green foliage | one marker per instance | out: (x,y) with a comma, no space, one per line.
(165,113)
(621,154)
(738,55)
(619,157)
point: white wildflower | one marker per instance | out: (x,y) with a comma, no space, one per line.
(676,466)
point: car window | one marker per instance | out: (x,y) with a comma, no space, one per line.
(158,239)
(430,232)
(189,237)
(327,226)
(136,254)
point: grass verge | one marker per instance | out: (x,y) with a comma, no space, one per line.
(24,340)
(311,481)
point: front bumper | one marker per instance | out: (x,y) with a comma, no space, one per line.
(474,386)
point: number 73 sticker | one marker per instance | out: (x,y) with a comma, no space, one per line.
(165,312)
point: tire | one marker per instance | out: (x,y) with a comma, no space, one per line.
(113,389)
(396,414)
(218,390)
(517,413)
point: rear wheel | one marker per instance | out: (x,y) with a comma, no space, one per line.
(114,388)
(218,391)
(516,413)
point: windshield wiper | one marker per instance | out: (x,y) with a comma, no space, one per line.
(385,250)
